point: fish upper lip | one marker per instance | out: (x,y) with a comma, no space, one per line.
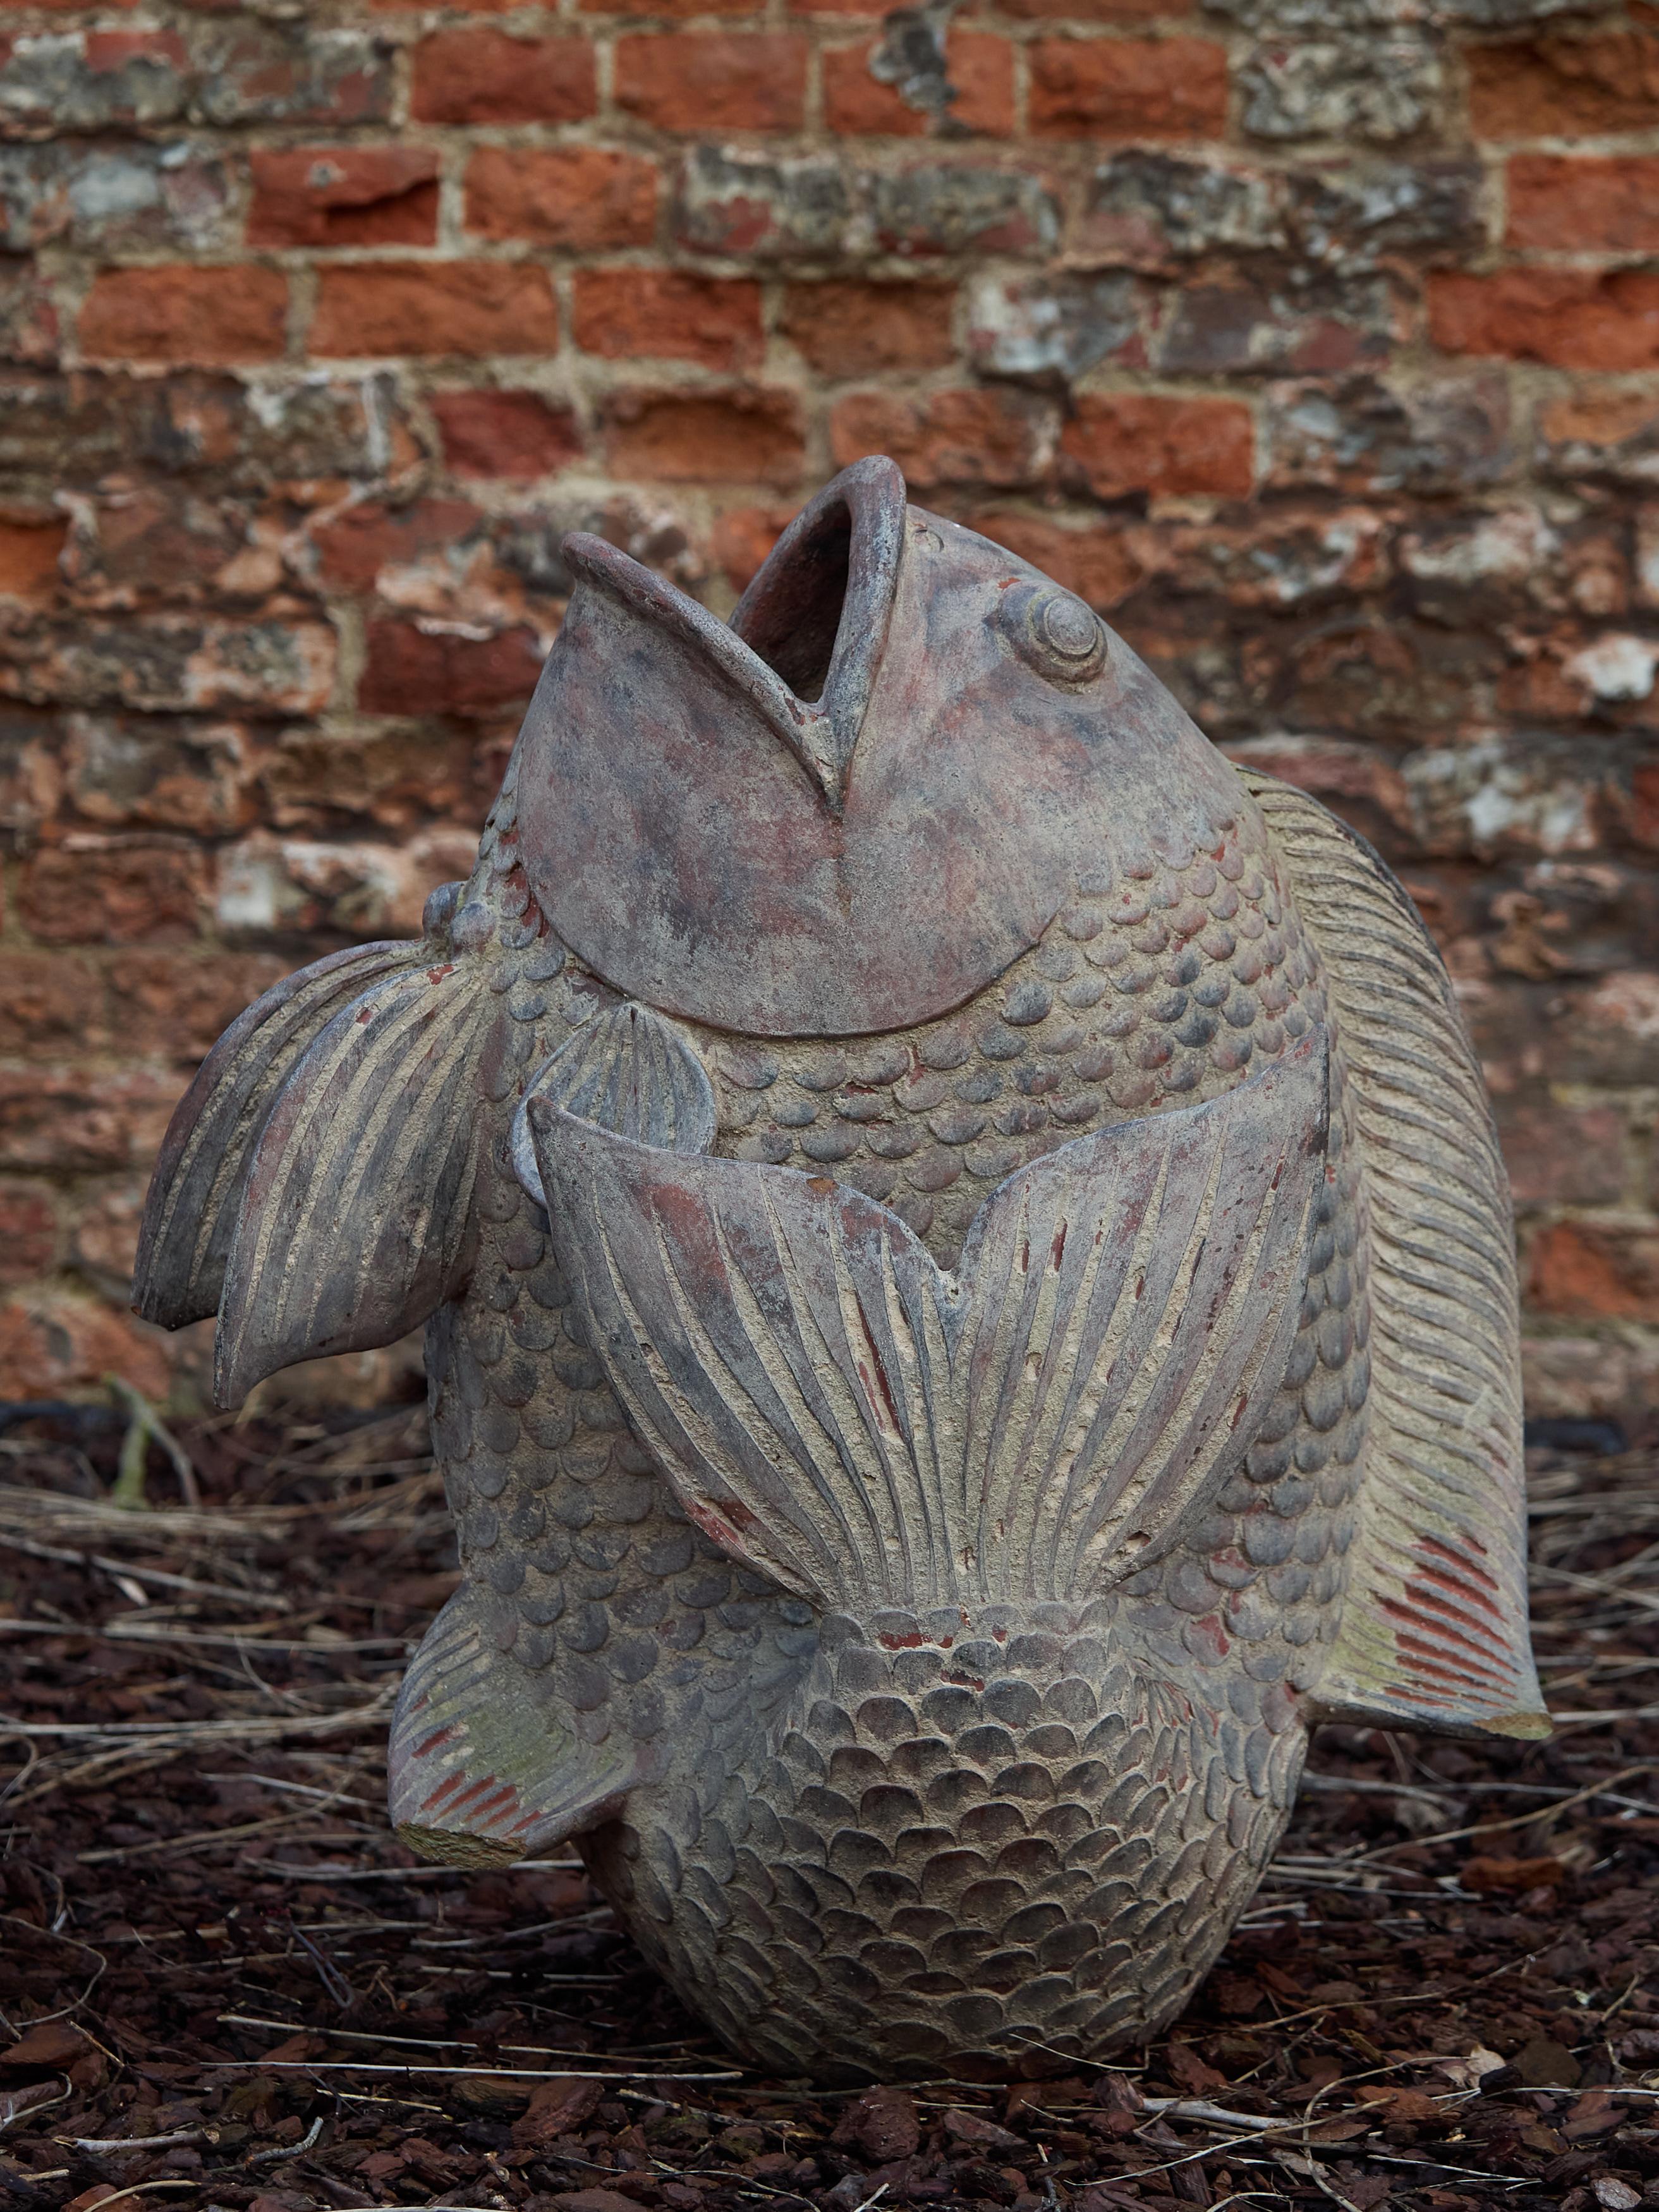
(867,501)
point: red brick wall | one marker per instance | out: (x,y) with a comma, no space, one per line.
(1317,342)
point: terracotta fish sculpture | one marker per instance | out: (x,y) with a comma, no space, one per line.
(969,1289)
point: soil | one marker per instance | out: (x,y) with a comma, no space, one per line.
(222,1983)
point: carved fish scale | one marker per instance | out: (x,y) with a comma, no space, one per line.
(902,1384)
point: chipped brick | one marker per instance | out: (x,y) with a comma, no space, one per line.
(343,196)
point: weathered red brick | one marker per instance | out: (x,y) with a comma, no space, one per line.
(1591,432)
(302,433)
(704,80)
(473,74)
(1107,12)
(1600,1271)
(1576,203)
(675,10)
(627,313)
(1443,435)
(410,670)
(748,434)
(107,890)
(175,1002)
(400,781)
(50,1003)
(343,196)
(990,435)
(186,313)
(855,329)
(1564,88)
(1566,318)
(742,538)
(135,544)
(31,547)
(1128,88)
(1121,443)
(1098,562)
(505,434)
(29,1235)
(77,1115)
(1645,804)
(587,197)
(54,1343)
(1559,1155)
(979,66)
(104,1234)
(466,308)
(357,543)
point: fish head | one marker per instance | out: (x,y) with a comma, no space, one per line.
(848,809)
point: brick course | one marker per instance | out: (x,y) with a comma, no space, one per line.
(1327,364)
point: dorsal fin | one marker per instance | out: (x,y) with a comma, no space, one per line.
(1434,1630)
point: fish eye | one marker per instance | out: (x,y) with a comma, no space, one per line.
(1054,632)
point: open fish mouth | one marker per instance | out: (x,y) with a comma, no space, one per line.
(805,640)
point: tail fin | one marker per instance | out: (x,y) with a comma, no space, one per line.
(868,1429)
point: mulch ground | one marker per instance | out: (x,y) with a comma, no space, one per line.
(223,1983)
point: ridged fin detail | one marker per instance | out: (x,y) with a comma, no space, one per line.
(356,1219)
(632,1071)
(480,1772)
(833,1407)
(189,1215)
(1434,1630)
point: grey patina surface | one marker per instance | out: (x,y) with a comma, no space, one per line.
(969,1295)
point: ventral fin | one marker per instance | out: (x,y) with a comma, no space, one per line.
(1434,1630)
(634,1073)
(480,1770)
(833,1407)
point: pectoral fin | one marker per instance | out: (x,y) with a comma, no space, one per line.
(356,1219)
(189,1215)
